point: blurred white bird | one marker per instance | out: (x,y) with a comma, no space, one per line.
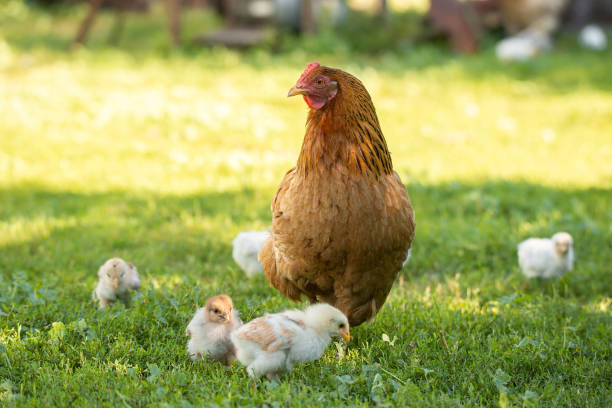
(546,257)
(408,255)
(116,279)
(593,37)
(209,330)
(271,344)
(523,46)
(246,247)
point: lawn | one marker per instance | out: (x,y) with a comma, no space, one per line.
(162,156)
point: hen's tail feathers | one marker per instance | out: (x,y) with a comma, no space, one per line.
(268,262)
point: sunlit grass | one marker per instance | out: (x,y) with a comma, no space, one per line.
(161,156)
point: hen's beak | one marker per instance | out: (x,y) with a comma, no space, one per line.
(297,90)
(346,335)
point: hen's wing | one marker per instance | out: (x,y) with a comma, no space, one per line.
(271,332)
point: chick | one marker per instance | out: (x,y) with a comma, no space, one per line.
(209,330)
(246,247)
(272,344)
(593,37)
(522,46)
(116,279)
(546,258)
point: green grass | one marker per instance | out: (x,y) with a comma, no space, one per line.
(162,156)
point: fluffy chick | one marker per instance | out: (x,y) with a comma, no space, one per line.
(246,247)
(546,257)
(116,278)
(209,330)
(272,344)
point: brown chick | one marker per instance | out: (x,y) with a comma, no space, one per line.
(342,219)
(209,330)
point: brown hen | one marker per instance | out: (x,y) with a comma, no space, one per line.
(342,219)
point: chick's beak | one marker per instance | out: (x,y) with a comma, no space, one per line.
(346,335)
(116,283)
(297,89)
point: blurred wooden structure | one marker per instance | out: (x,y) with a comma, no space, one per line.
(454,19)
(243,28)
(172,8)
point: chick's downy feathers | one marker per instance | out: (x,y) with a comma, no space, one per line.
(273,343)
(246,246)
(116,278)
(546,257)
(342,221)
(209,330)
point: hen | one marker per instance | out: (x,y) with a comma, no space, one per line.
(342,219)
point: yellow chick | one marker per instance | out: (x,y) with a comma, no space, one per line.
(209,330)
(116,279)
(272,344)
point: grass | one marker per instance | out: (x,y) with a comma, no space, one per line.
(162,156)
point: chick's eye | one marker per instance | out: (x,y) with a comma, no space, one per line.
(108,274)
(216,310)
(341,325)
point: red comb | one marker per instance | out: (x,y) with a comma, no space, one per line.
(309,68)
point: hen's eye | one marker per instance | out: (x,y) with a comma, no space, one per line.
(319,82)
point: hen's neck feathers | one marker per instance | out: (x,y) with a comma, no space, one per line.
(346,132)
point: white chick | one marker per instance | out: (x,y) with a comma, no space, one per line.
(116,279)
(546,258)
(246,247)
(408,255)
(271,344)
(593,37)
(522,46)
(209,330)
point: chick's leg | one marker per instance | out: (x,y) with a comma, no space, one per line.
(267,364)
(125,298)
(105,302)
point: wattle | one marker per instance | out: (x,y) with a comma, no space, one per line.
(314,102)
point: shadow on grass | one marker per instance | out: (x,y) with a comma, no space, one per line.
(462,228)
(181,243)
